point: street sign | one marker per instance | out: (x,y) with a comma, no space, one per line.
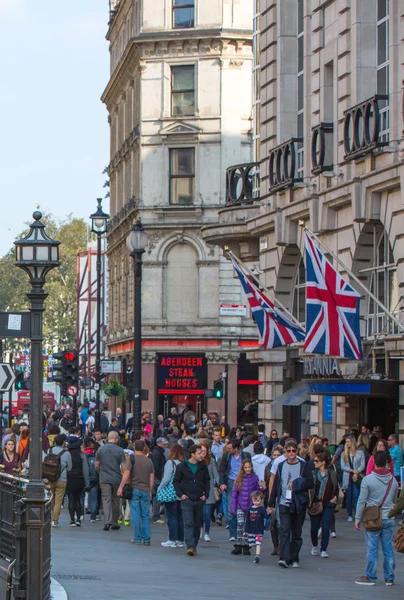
(7,377)
(110,366)
(72,390)
(15,325)
(233,310)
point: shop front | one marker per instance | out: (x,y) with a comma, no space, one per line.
(181,381)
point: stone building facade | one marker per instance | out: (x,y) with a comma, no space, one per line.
(331,98)
(180,111)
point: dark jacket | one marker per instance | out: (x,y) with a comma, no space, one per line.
(241,499)
(158,459)
(331,486)
(398,507)
(302,486)
(271,444)
(225,466)
(104,423)
(193,486)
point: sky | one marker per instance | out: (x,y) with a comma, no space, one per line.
(54,133)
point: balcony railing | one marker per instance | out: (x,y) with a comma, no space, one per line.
(127,208)
(284,167)
(365,127)
(381,324)
(322,138)
(242,184)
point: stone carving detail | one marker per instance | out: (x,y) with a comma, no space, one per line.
(222,357)
(236,64)
(149,357)
(154,239)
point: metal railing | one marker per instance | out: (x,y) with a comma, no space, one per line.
(242,184)
(382,325)
(13,538)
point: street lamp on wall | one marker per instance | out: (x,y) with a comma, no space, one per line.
(99,221)
(137,242)
(36,254)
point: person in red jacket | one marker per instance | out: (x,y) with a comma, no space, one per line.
(245,484)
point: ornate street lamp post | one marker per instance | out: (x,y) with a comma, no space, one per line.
(36,254)
(99,221)
(137,242)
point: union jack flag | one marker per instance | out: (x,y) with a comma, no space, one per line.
(332,309)
(275,327)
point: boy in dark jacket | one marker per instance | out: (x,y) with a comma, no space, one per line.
(254,523)
(291,521)
(192,486)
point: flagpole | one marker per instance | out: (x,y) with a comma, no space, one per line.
(358,281)
(280,305)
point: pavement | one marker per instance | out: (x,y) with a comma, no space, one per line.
(94,564)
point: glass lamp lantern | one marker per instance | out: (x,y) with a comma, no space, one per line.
(138,239)
(99,220)
(37,253)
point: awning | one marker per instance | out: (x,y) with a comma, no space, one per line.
(296,396)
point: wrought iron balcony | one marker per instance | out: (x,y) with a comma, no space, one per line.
(363,130)
(322,148)
(242,184)
(284,170)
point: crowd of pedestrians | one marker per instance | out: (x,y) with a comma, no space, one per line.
(189,474)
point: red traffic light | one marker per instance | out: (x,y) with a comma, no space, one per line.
(70,356)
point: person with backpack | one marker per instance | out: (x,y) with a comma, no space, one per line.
(78,479)
(57,463)
(94,478)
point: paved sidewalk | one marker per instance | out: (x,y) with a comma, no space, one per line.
(95,564)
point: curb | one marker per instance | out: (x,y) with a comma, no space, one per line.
(58,592)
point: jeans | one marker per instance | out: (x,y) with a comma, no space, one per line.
(192,512)
(93,501)
(322,520)
(174,521)
(207,514)
(290,533)
(140,515)
(385,536)
(231,519)
(352,495)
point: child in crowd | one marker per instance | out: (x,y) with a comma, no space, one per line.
(254,523)
(245,484)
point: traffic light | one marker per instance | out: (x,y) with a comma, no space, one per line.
(60,370)
(19,383)
(218,388)
(71,368)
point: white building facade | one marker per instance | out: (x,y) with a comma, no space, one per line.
(331,137)
(180,111)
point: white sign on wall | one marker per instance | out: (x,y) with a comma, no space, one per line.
(233,310)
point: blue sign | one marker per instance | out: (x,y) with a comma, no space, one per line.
(338,387)
(327,408)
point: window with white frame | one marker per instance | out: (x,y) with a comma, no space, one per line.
(299,293)
(183,14)
(182,176)
(300,86)
(383,285)
(383,64)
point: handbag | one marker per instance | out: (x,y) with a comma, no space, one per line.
(217,494)
(398,540)
(372,515)
(315,508)
(167,494)
(127,492)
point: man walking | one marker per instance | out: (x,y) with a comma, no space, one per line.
(378,489)
(58,488)
(228,471)
(217,445)
(141,478)
(396,454)
(158,459)
(111,461)
(192,486)
(292,481)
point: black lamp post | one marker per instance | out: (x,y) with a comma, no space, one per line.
(98,226)
(137,242)
(36,254)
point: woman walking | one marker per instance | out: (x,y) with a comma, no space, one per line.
(381,445)
(78,479)
(352,466)
(325,497)
(214,484)
(245,484)
(172,505)
(10,460)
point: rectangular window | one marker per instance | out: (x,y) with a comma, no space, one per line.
(300,87)
(383,64)
(183,14)
(182,176)
(182,91)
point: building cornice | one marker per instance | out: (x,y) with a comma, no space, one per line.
(122,74)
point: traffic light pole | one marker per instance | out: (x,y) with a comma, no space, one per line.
(98,345)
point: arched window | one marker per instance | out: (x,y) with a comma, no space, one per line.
(299,293)
(182,285)
(383,285)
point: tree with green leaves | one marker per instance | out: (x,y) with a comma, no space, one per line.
(60,306)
